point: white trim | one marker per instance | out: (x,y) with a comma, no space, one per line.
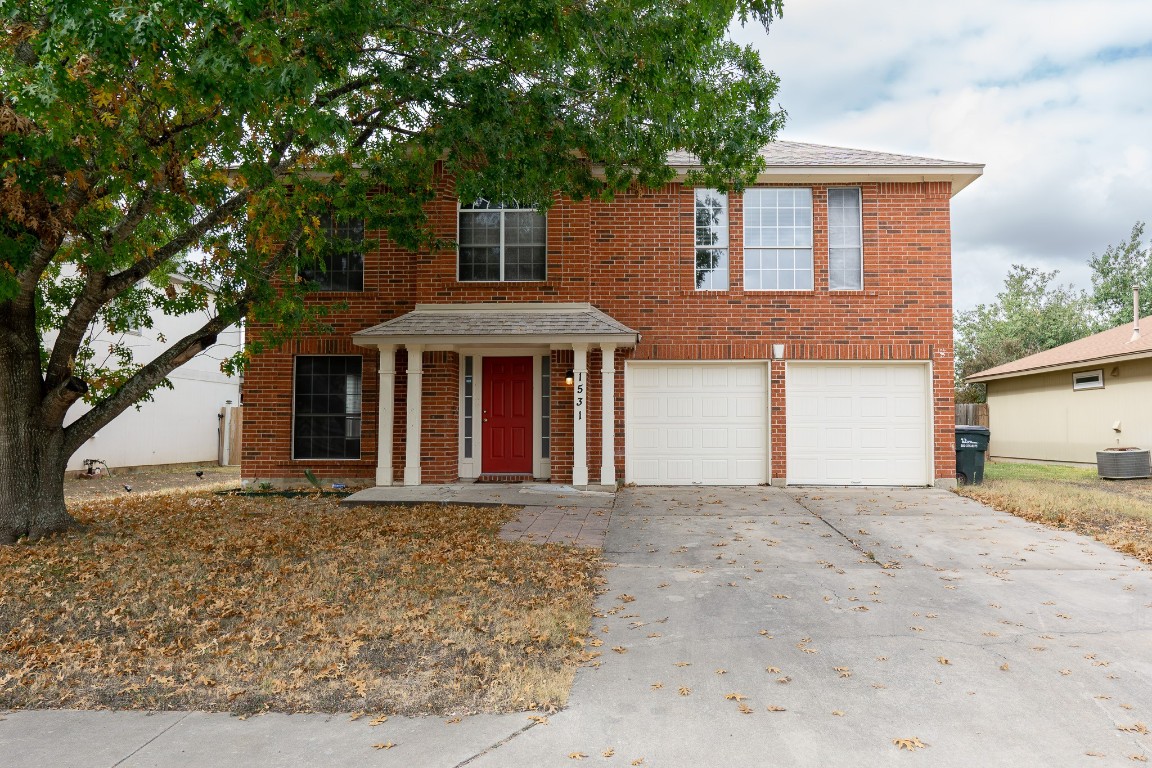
(827,235)
(1080,387)
(460,208)
(1120,357)
(414,425)
(470,469)
(385,427)
(580,414)
(608,414)
(959,176)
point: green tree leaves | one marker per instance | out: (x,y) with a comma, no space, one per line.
(1031,314)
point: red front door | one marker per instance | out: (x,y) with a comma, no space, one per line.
(506,432)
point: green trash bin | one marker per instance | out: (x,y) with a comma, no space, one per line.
(971,445)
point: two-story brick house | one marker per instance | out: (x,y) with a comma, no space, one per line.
(799,332)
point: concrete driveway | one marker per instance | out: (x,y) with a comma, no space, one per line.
(756,626)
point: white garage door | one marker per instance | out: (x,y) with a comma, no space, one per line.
(857,424)
(692,424)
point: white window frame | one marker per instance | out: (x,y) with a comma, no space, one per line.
(1087,383)
(860,237)
(809,249)
(721,245)
(496,207)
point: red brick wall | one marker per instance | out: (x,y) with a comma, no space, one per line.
(633,258)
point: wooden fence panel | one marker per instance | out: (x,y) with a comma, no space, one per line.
(973,414)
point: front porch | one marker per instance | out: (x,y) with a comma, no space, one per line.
(508,394)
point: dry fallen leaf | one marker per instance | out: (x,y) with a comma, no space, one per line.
(745,709)
(772,670)
(735,697)
(657,686)
(1133,728)
(911,744)
(1004,667)
(683,663)
(638,761)
(385,745)
(538,719)
(774,708)
(838,713)
(1141,758)
(379,720)
(721,671)
(608,752)
(577,755)
(619,649)
(685,691)
(844,671)
(943,660)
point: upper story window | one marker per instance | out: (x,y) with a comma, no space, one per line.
(711,240)
(340,267)
(502,242)
(845,253)
(778,239)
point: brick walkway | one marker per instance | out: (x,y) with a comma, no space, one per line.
(559,525)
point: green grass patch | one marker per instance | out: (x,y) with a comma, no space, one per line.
(1013,471)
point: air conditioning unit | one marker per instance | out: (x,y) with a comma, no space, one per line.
(1123,463)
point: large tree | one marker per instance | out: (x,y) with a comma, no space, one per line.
(1118,270)
(1031,314)
(209,138)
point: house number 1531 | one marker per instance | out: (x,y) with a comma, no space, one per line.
(580,396)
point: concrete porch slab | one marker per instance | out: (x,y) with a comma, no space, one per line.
(489,495)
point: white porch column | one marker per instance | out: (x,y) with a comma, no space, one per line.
(415,393)
(387,414)
(580,414)
(608,415)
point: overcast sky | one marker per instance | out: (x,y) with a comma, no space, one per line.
(1054,97)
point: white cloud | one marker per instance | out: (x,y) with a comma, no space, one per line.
(1052,96)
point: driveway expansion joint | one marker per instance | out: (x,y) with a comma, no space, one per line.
(162,731)
(493,747)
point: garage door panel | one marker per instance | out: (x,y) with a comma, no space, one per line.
(710,426)
(857,424)
(714,408)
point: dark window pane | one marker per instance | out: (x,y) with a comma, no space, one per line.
(328,400)
(340,266)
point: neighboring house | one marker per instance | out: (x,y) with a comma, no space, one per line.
(799,332)
(1064,404)
(180,425)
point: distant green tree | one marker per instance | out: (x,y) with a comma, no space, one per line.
(1114,274)
(1031,314)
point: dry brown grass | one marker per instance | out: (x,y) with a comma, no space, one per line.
(209,602)
(1116,513)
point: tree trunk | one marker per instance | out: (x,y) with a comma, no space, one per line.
(32,459)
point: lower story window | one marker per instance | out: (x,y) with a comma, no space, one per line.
(326,407)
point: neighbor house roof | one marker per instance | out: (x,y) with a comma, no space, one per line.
(502,323)
(791,161)
(1114,344)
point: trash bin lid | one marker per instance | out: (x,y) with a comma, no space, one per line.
(972,429)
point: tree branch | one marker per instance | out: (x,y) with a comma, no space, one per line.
(149,377)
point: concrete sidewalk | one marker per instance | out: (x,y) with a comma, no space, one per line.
(756,626)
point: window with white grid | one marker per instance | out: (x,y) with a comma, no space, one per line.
(711,240)
(778,239)
(501,242)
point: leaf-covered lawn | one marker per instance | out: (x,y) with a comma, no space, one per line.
(202,601)
(1115,512)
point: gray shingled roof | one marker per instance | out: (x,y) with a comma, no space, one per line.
(521,321)
(798,154)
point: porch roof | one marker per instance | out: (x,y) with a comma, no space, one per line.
(499,324)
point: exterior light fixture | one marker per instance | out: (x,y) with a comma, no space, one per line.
(569,377)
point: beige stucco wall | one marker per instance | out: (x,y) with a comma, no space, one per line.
(1040,417)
